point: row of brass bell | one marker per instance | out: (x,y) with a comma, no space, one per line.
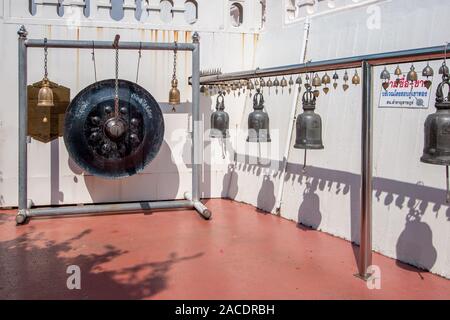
(308,124)
(250,85)
(258,120)
(412,75)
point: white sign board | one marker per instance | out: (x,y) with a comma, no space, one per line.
(403,94)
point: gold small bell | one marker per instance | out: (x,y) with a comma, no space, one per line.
(412,74)
(174,94)
(398,73)
(326,79)
(356,79)
(345,86)
(316,81)
(262,83)
(45,95)
(284,84)
(276,84)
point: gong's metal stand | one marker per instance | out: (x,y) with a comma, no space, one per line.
(366,62)
(192,199)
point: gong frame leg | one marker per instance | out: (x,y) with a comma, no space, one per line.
(23,128)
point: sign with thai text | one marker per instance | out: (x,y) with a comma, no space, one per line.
(404,94)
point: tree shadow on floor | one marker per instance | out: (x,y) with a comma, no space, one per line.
(33,267)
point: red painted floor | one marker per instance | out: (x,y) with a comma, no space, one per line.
(240,254)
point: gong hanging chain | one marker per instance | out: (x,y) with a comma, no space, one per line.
(45,59)
(175,52)
(139,61)
(93,60)
(116,97)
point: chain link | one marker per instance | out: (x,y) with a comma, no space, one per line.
(45,59)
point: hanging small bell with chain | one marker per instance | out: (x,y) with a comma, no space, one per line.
(428,73)
(326,80)
(220,120)
(45,95)
(174,93)
(412,74)
(283,84)
(356,79)
(345,86)
(385,76)
(316,82)
(258,121)
(308,124)
(299,82)
(335,79)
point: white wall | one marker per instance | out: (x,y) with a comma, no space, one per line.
(411,220)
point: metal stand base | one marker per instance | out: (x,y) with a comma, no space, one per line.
(124,208)
(364,277)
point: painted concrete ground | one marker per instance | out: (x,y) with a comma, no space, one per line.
(240,254)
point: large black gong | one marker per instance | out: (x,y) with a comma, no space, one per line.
(109,144)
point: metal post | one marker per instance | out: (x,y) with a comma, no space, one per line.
(23,127)
(197,133)
(365,246)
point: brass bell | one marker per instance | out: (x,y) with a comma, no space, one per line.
(284,83)
(299,82)
(174,94)
(444,69)
(428,71)
(326,79)
(258,121)
(437,131)
(291,83)
(262,83)
(345,85)
(335,78)
(398,73)
(385,76)
(269,84)
(45,95)
(276,84)
(412,74)
(220,120)
(308,125)
(356,79)
(316,81)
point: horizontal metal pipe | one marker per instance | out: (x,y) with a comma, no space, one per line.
(412,55)
(84,44)
(108,208)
